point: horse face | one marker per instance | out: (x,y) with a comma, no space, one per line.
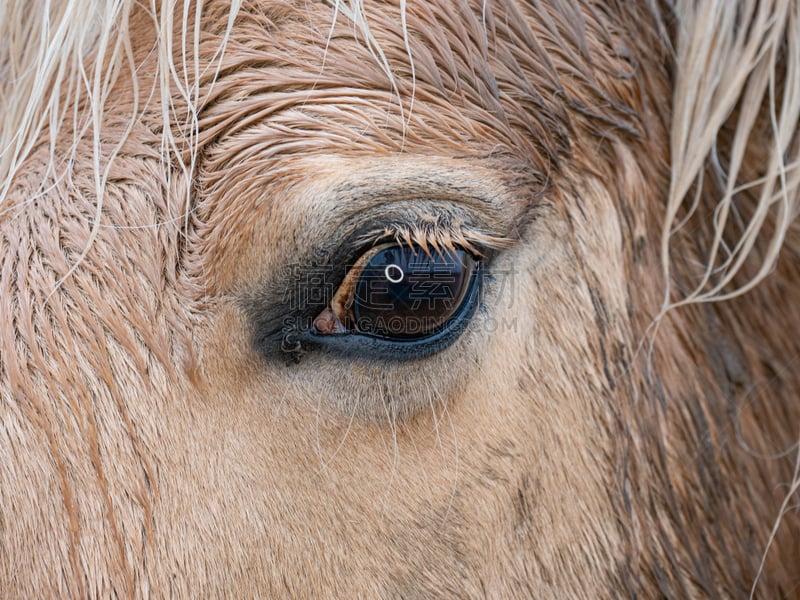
(382,471)
(202,412)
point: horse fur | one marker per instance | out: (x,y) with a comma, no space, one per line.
(621,416)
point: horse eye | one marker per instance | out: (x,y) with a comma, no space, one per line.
(407,293)
(400,302)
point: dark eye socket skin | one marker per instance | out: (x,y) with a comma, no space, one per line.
(403,302)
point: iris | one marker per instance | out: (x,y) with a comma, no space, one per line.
(407,293)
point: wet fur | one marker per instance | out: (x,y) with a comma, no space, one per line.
(152,446)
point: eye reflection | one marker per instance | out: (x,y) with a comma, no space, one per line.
(394,273)
(405,293)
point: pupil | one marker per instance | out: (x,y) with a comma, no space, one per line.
(403,293)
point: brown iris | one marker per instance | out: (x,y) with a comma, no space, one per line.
(400,292)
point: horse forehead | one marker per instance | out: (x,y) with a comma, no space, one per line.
(435,73)
(446,79)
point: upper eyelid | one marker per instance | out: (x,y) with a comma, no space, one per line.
(437,236)
(497,200)
(344,249)
(429,208)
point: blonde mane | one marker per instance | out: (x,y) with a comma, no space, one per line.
(728,59)
(59,62)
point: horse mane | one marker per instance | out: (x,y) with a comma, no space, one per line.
(737,86)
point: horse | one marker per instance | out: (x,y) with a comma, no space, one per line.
(399,298)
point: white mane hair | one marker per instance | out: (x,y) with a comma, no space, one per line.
(728,57)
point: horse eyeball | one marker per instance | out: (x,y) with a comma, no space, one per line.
(405,293)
